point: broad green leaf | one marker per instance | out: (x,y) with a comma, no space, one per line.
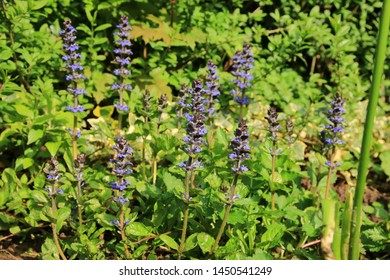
(36,5)
(53,147)
(191,242)
(23,163)
(236,216)
(62,215)
(172,183)
(34,135)
(24,111)
(169,241)
(39,196)
(138,229)
(140,251)
(273,234)
(14,229)
(214,180)
(205,241)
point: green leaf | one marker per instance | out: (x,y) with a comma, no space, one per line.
(273,234)
(138,229)
(172,183)
(62,215)
(34,135)
(103,27)
(14,229)
(385,159)
(53,147)
(23,163)
(236,216)
(36,5)
(39,196)
(205,241)
(169,241)
(4,195)
(24,111)
(191,242)
(214,181)
(140,251)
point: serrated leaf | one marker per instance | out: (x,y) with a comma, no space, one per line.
(205,241)
(169,241)
(34,135)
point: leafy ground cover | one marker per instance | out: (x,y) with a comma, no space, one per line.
(189,129)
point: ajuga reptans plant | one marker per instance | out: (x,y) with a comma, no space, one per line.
(194,141)
(273,128)
(240,153)
(122,167)
(51,170)
(74,76)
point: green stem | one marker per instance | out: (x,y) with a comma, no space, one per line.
(122,228)
(54,226)
(364,160)
(155,171)
(273,176)
(79,208)
(225,217)
(186,210)
(143,158)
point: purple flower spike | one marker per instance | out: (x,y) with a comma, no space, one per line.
(122,60)
(72,62)
(242,65)
(212,86)
(330,136)
(196,128)
(122,165)
(240,148)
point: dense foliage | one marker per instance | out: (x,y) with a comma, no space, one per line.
(216,130)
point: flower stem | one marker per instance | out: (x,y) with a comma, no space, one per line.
(187,208)
(122,229)
(273,176)
(380,56)
(227,211)
(54,228)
